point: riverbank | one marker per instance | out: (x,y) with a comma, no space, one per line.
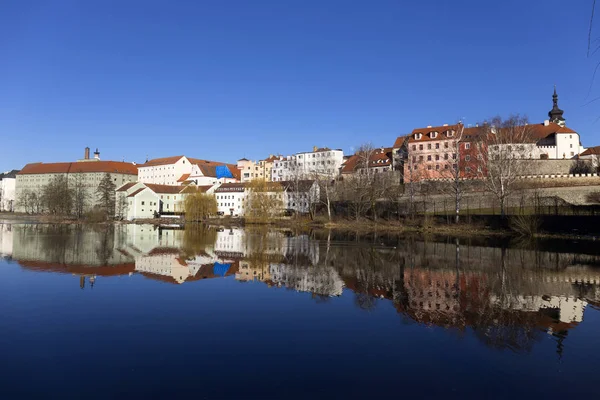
(422,226)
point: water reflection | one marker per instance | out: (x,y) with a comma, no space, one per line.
(510,297)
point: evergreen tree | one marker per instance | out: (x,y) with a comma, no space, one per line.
(106,195)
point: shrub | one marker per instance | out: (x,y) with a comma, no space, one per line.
(580,167)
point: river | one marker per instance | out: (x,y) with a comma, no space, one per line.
(136,310)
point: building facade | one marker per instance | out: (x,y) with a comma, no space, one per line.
(138,200)
(320,161)
(32,179)
(8,183)
(262,169)
(181,169)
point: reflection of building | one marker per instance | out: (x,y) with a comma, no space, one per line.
(70,249)
(320,280)
(6,240)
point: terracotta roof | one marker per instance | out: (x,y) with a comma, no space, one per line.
(302,186)
(126,186)
(400,141)
(272,158)
(231,187)
(75,167)
(426,133)
(136,192)
(161,161)
(100,270)
(376,159)
(591,151)
(164,250)
(164,189)
(183,178)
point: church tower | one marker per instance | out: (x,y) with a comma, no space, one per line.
(556,114)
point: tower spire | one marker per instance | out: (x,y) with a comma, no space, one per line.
(556,114)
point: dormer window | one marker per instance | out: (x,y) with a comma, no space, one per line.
(433,135)
(450,133)
(418,136)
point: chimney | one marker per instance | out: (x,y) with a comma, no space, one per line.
(546,122)
(96,154)
(445,124)
(429,126)
(314,148)
(86,154)
(270,155)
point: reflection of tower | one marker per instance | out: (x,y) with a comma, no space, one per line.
(82,281)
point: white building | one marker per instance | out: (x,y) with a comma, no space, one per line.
(137,200)
(323,161)
(295,196)
(33,177)
(8,183)
(230,199)
(181,169)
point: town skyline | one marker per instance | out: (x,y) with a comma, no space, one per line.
(256,76)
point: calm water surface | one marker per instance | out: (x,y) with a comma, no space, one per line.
(207,313)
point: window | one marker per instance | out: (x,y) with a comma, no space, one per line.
(433,135)
(418,136)
(429,167)
(420,147)
(446,166)
(454,156)
(467,169)
(571,145)
(428,146)
(437,157)
(467,158)
(468,146)
(420,158)
(446,156)
(414,159)
(142,203)
(437,145)
(428,158)
(437,167)
(414,147)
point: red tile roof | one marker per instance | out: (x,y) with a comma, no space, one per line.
(104,270)
(75,167)
(136,192)
(591,151)
(164,189)
(400,141)
(183,178)
(376,159)
(126,186)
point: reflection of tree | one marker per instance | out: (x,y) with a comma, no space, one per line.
(196,238)
(105,246)
(365,301)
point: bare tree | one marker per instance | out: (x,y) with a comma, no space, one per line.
(501,147)
(58,196)
(264,201)
(80,194)
(454,166)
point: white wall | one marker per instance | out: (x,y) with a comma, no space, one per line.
(167,174)
(326,162)
(228,202)
(7,194)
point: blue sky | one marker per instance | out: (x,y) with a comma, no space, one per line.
(229,79)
